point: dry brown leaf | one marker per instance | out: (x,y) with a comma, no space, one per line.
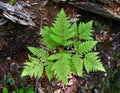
(57,91)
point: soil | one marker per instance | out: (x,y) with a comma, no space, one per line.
(15,38)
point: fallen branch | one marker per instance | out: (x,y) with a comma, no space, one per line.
(97,9)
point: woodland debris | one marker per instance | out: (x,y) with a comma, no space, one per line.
(18,12)
(97,9)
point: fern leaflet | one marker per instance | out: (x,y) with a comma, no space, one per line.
(34,68)
(38,52)
(92,63)
(61,69)
(85,31)
(61,29)
(64,62)
(46,32)
(86,46)
(77,65)
(49,72)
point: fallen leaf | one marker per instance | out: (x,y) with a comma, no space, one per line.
(57,91)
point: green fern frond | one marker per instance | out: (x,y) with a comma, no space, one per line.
(46,32)
(85,31)
(60,34)
(61,67)
(55,56)
(38,52)
(34,68)
(61,24)
(92,63)
(62,30)
(61,70)
(57,39)
(86,46)
(48,67)
(77,65)
(59,55)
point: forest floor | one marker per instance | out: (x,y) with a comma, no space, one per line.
(14,39)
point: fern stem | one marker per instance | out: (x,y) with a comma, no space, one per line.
(36,84)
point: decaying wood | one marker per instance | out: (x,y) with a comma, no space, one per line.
(97,9)
(16,13)
(109,1)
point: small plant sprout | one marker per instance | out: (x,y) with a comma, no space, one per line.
(12,2)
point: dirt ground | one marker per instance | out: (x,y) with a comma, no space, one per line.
(14,39)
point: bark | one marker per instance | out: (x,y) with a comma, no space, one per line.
(97,9)
(16,14)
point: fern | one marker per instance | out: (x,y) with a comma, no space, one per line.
(48,66)
(77,65)
(85,31)
(33,68)
(86,46)
(92,63)
(61,60)
(61,35)
(46,32)
(39,53)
